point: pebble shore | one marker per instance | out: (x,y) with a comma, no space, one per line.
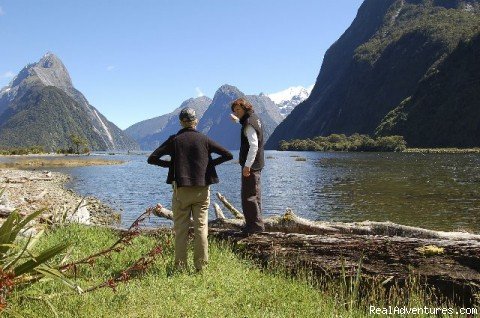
(27,191)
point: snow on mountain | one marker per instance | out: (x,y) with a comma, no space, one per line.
(289,98)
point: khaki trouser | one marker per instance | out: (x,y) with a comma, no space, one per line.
(191,201)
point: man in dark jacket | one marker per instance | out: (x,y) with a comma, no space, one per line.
(191,170)
(251,159)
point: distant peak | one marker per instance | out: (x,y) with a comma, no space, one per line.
(49,56)
(227,87)
(50,60)
(203,98)
(229,90)
(194,100)
(298,92)
(49,70)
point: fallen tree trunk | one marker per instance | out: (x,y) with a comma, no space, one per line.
(291,223)
(237,214)
(448,261)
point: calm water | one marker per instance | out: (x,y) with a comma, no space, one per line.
(437,191)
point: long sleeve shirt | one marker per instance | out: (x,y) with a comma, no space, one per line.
(252,137)
(191,162)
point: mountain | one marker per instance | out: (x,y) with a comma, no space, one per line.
(41,107)
(214,119)
(447,102)
(382,59)
(289,98)
(216,122)
(147,127)
(152,132)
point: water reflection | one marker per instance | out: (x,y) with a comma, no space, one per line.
(410,189)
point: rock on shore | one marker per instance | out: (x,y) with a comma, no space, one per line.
(28,191)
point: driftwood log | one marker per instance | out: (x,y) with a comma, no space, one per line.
(447,261)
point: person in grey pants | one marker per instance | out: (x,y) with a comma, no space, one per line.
(251,158)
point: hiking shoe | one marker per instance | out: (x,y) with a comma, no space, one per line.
(250,230)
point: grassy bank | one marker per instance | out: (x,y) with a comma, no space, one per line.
(443,150)
(22,151)
(230,287)
(51,161)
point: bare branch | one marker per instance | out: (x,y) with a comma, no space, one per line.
(218,211)
(237,214)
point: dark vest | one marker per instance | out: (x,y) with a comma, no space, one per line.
(251,119)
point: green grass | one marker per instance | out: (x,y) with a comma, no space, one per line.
(443,150)
(22,151)
(230,287)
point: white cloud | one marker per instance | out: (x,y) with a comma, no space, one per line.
(199,92)
(1,11)
(110,68)
(8,74)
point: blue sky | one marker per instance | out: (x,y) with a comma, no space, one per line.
(135,60)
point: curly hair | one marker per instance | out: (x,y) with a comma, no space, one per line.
(244,103)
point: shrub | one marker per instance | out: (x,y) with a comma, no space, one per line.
(391,143)
(18,266)
(340,142)
(22,151)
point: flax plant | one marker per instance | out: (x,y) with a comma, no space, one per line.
(18,265)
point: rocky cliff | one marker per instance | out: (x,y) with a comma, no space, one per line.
(445,108)
(380,60)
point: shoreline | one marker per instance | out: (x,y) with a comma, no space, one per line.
(442,150)
(408,150)
(27,191)
(50,161)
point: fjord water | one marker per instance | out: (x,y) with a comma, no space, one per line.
(434,191)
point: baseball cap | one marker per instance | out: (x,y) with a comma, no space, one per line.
(187,114)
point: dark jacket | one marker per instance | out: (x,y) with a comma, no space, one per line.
(191,161)
(251,119)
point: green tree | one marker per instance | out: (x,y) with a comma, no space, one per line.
(78,141)
(391,143)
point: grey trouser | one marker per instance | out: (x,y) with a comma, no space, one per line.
(252,201)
